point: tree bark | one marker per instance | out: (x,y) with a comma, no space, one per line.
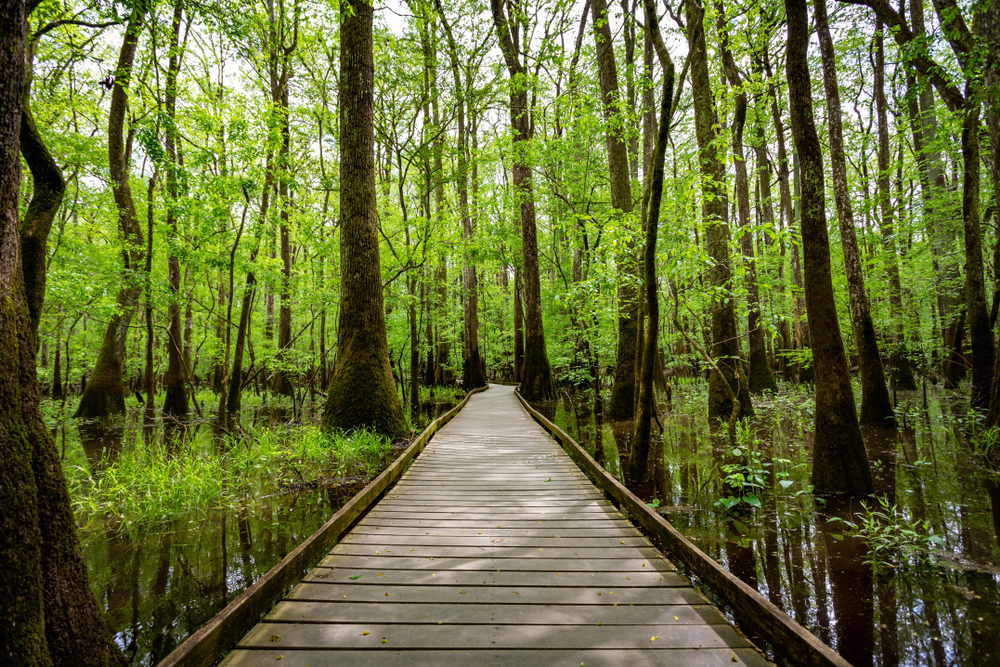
(362,391)
(48,188)
(761,379)
(49,616)
(977,313)
(876,408)
(105,391)
(638,463)
(536,378)
(472,363)
(840,462)
(725,334)
(623,393)
(175,404)
(902,374)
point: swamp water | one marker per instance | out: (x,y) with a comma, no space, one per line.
(916,582)
(159,579)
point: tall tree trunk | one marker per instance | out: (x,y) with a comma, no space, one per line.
(876,408)
(725,333)
(105,391)
(174,384)
(149,379)
(644,415)
(472,363)
(623,394)
(536,378)
(840,462)
(902,374)
(49,615)
(48,188)
(977,313)
(362,391)
(761,378)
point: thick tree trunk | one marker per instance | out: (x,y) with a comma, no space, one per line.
(362,391)
(623,394)
(876,408)
(840,462)
(175,404)
(49,616)
(761,378)
(725,347)
(536,378)
(105,392)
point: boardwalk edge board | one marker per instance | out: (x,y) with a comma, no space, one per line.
(753,611)
(206,646)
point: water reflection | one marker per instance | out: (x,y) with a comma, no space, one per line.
(158,585)
(899,613)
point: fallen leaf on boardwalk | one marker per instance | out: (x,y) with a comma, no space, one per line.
(364,633)
(654,638)
(275,638)
(734,657)
(356,576)
(384,640)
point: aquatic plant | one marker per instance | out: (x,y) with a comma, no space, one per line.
(148,484)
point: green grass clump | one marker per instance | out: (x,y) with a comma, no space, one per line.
(147,484)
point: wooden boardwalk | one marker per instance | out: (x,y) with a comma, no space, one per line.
(494,549)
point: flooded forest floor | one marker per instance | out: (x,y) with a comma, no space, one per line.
(176,520)
(909,577)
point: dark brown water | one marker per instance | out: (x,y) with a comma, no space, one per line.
(157,584)
(896,605)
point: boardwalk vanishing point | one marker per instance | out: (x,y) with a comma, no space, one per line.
(494,549)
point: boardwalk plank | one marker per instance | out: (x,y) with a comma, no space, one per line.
(494,549)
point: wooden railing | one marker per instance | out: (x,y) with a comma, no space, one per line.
(753,611)
(206,646)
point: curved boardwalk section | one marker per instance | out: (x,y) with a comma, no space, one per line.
(494,549)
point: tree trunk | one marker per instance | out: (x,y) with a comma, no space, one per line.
(725,334)
(876,408)
(472,363)
(840,462)
(48,188)
(638,463)
(977,314)
(761,378)
(536,378)
(49,616)
(105,392)
(362,391)
(902,374)
(623,396)
(175,404)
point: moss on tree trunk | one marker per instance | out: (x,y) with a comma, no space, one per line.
(362,391)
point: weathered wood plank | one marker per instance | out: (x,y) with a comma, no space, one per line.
(401,612)
(386,657)
(486,563)
(610,580)
(374,636)
(495,594)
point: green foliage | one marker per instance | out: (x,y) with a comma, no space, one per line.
(892,540)
(148,484)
